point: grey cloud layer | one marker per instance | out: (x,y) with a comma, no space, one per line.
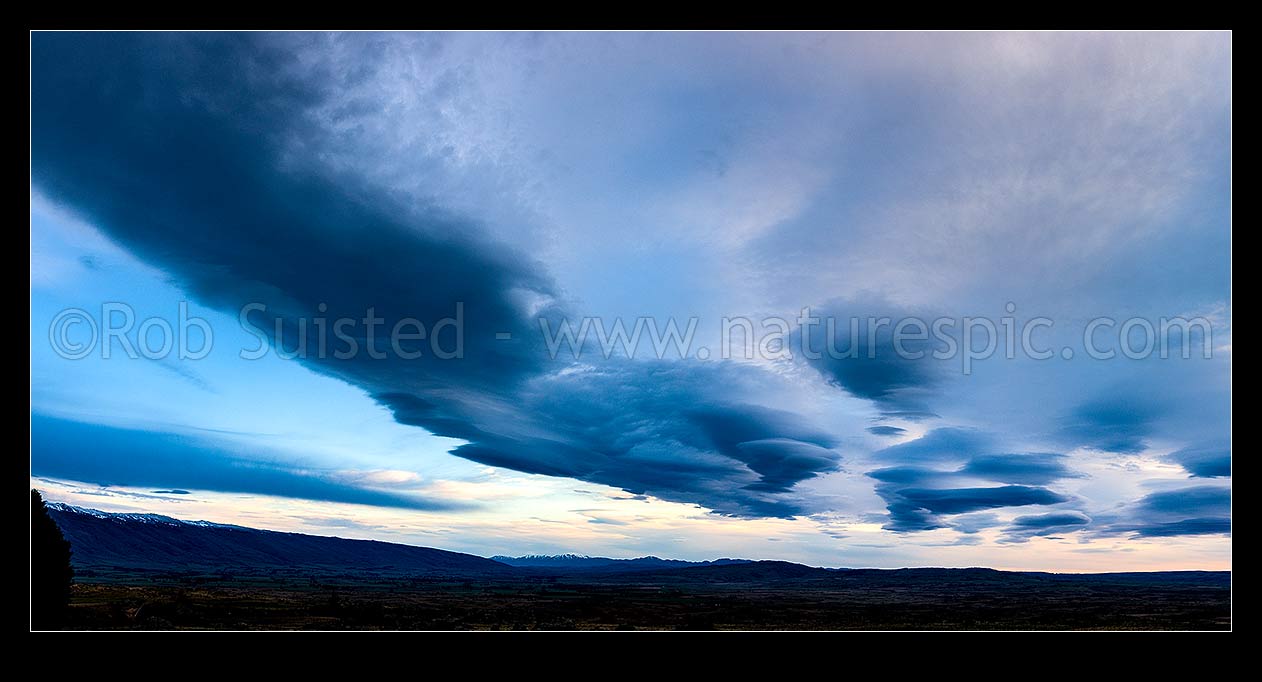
(173,144)
(206,156)
(1194,510)
(942,474)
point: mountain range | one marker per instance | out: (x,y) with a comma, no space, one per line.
(147,571)
(148,543)
(160,543)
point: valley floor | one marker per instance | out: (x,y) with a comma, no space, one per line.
(631,603)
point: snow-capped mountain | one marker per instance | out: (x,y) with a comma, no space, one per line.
(154,542)
(135,517)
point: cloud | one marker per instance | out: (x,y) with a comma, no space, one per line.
(648,427)
(381,478)
(1202,526)
(1023,528)
(908,475)
(1196,510)
(961,500)
(1030,469)
(108,455)
(339,522)
(970,524)
(1030,144)
(1204,461)
(855,349)
(920,493)
(209,132)
(916,509)
(1038,468)
(607,522)
(947,444)
(185,372)
(1116,424)
(215,204)
(250,167)
(1197,500)
(910,415)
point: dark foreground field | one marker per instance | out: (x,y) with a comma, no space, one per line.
(926,599)
(153,572)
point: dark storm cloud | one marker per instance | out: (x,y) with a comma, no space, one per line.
(961,500)
(1198,510)
(1042,522)
(1028,469)
(781,462)
(1039,468)
(1023,528)
(921,492)
(1195,501)
(175,145)
(773,444)
(190,150)
(1206,526)
(645,426)
(863,358)
(1204,461)
(108,455)
(1115,424)
(916,509)
(909,475)
(944,445)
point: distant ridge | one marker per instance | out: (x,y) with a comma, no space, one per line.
(160,543)
(576,562)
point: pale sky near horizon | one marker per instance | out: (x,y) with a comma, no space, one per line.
(678,176)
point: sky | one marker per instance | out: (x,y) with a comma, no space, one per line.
(204,205)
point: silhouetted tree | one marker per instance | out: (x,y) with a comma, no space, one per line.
(51,572)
